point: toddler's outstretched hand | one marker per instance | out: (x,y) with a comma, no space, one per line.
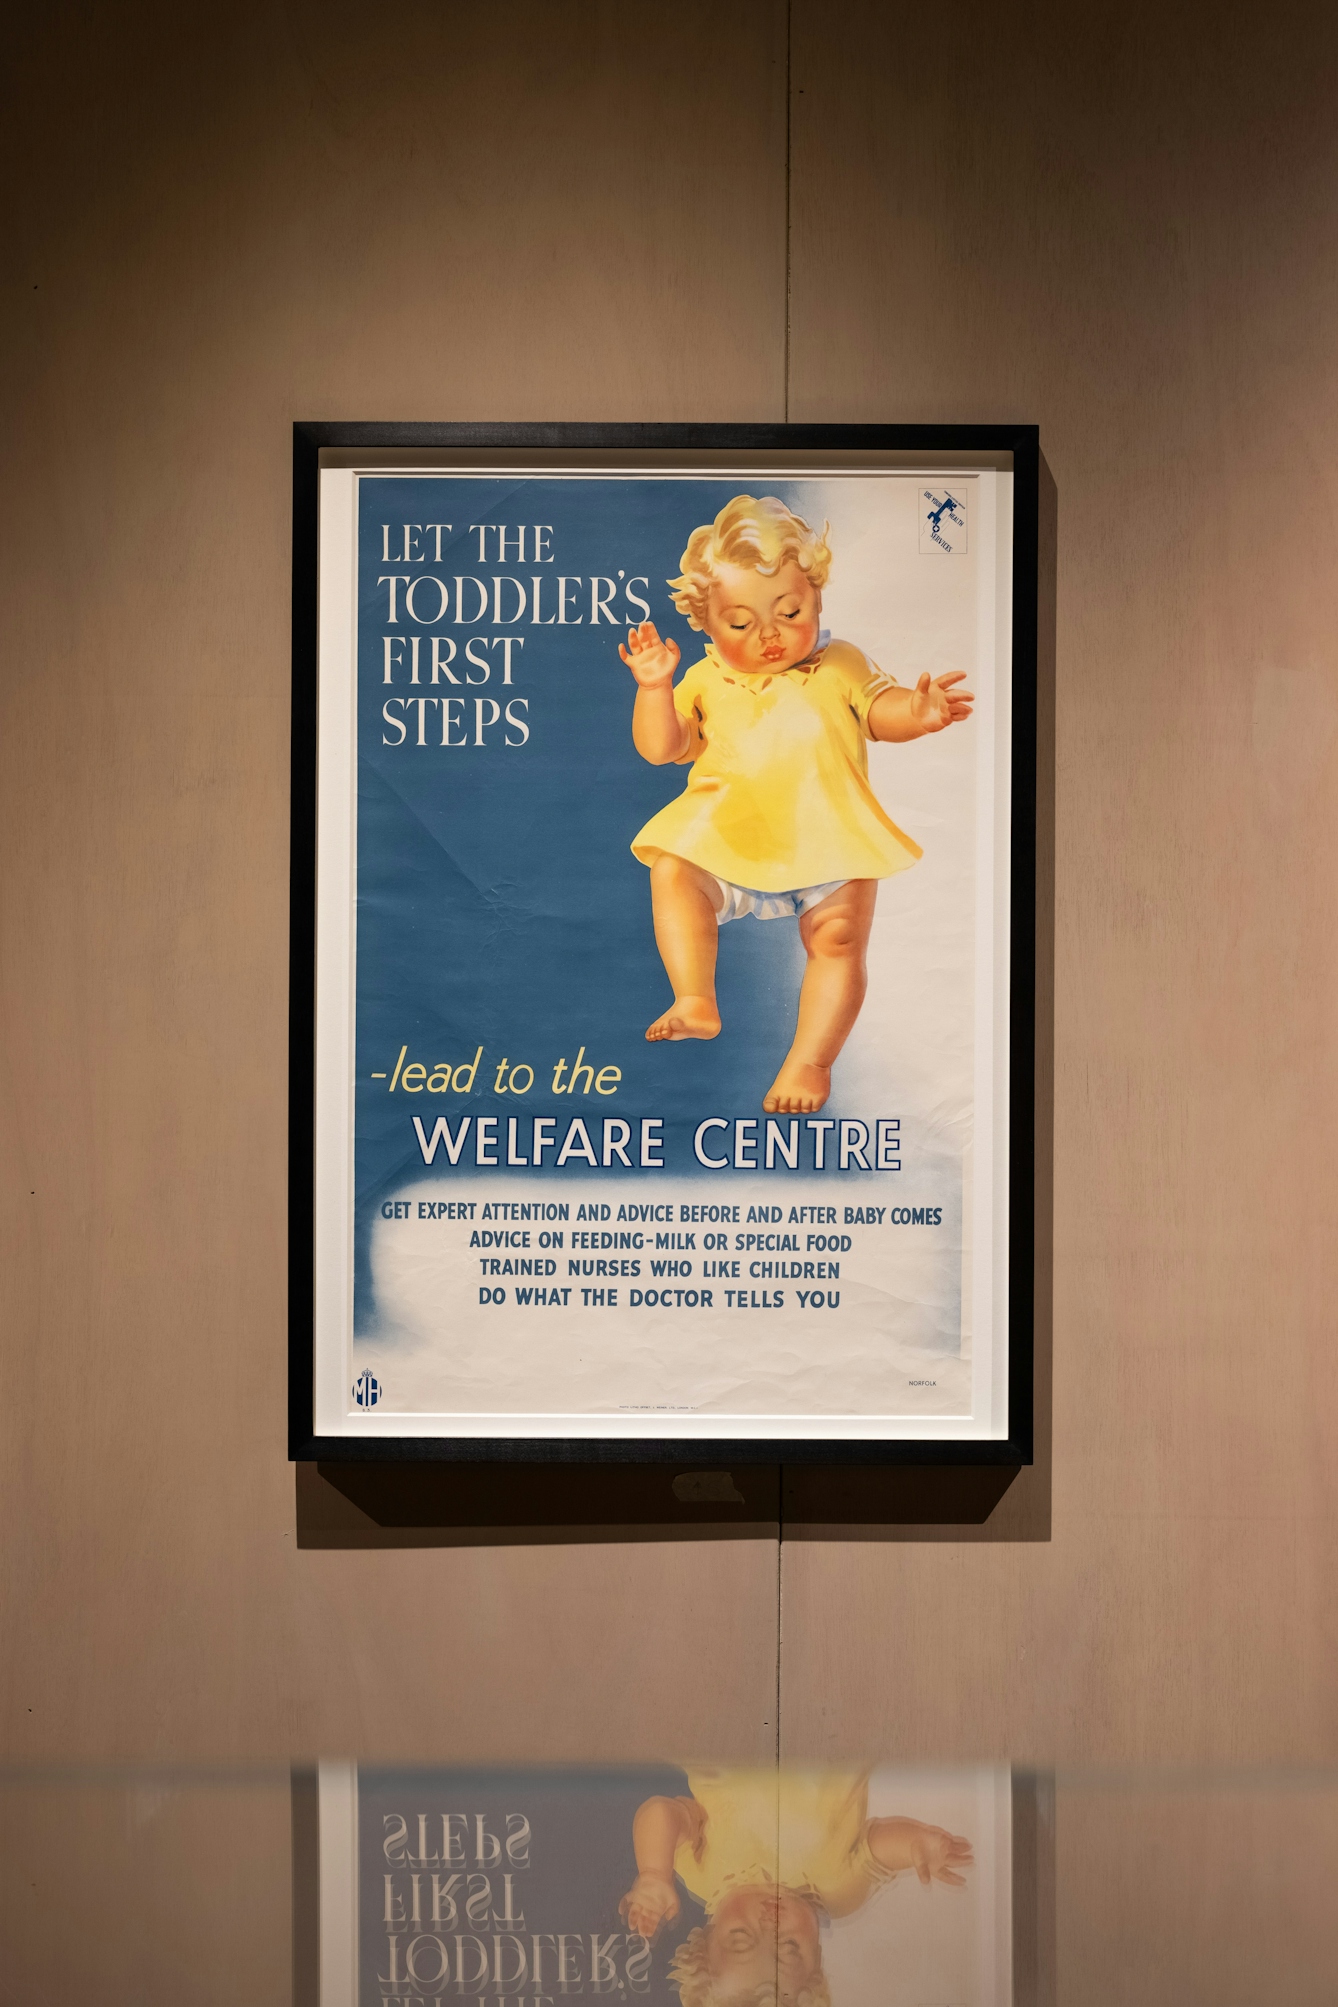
(648,1903)
(936,1856)
(936,702)
(650,660)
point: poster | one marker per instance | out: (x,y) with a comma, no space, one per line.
(664,912)
(668,1885)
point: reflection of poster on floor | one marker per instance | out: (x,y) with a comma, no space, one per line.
(686,1887)
(663,952)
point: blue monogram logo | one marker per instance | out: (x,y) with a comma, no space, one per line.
(366,1389)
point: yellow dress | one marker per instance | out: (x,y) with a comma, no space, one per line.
(804,1829)
(779,796)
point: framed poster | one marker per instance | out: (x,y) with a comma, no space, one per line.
(663,942)
(677,1886)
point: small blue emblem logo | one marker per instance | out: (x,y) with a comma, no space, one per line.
(942,521)
(366,1390)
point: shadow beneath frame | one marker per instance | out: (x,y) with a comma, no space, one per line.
(367,1504)
(349,1505)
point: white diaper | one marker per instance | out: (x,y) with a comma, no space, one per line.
(740,900)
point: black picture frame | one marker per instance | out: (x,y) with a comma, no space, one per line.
(1022,444)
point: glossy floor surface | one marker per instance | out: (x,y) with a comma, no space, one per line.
(342,1885)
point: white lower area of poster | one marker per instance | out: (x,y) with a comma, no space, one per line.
(663,1306)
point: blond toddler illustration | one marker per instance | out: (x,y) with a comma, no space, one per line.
(770,1854)
(778,818)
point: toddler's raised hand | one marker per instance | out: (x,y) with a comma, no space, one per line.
(650,660)
(936,702)
(935,1855)
(648,1903)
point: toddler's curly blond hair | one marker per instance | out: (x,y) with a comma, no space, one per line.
(760,534)
(690,1971)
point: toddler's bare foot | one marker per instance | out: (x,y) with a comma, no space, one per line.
(687,1017)
(799,1088)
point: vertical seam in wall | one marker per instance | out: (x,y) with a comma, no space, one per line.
(780,1545)
(780,1594)
(789,100)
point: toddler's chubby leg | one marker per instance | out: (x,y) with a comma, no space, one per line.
(685,901)
(835,935)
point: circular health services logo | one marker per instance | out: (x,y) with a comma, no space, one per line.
(366,1389)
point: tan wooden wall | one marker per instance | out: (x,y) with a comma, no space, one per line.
(1114,220)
